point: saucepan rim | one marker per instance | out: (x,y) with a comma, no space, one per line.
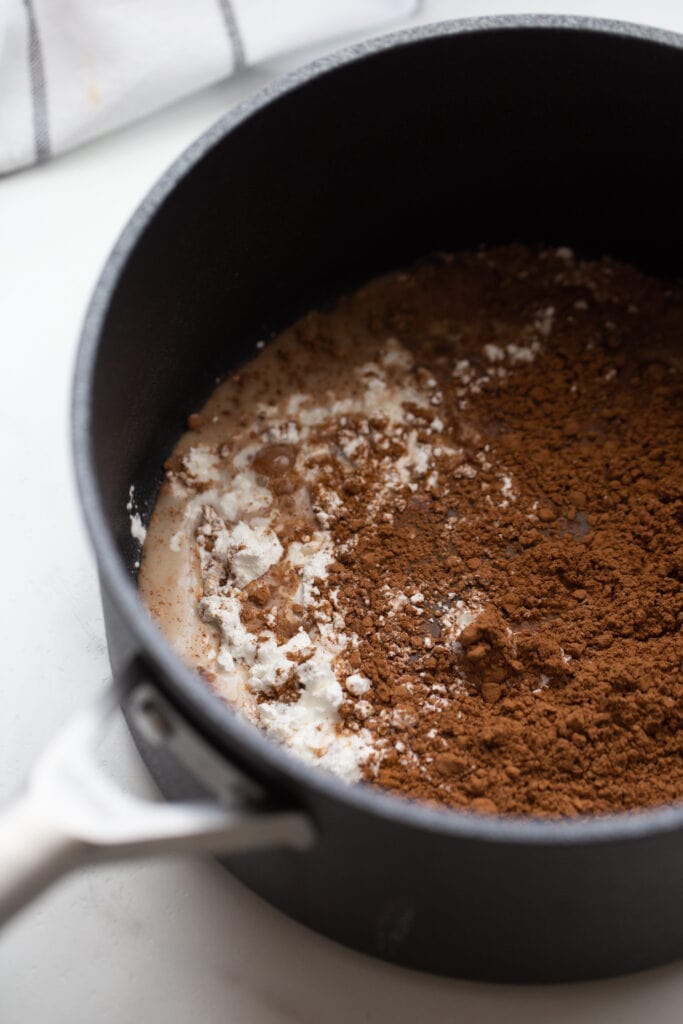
(178,679)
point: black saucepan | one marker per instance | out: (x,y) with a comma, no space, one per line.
(557,130)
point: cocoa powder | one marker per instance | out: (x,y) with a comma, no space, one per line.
(508,543)
(573,666)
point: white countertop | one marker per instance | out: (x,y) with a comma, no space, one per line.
(176,939)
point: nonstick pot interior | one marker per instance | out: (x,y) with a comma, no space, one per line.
(561,131)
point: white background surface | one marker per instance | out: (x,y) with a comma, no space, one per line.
(179,939)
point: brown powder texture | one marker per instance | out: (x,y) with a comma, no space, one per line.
(508,547)
(573,662)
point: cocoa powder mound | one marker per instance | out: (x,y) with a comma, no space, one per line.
(491,446)
(521,624)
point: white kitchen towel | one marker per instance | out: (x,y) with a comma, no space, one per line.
(73,69)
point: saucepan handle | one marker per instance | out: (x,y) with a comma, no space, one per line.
(72,813)
(33,853)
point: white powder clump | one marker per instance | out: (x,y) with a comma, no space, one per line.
(363,709)
(522,353)
(137,528)
(507,490)
(466,470)
(417,459)
(243,497)
(458,617)
(263,662)
(273,663)
(238,645)
(544,321)
(308,727)
(494,353)
(202,464)
(251,550)
(284,433)
(311,558)
(357,684)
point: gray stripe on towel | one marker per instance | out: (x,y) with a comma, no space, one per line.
(233,31)
(41,131)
